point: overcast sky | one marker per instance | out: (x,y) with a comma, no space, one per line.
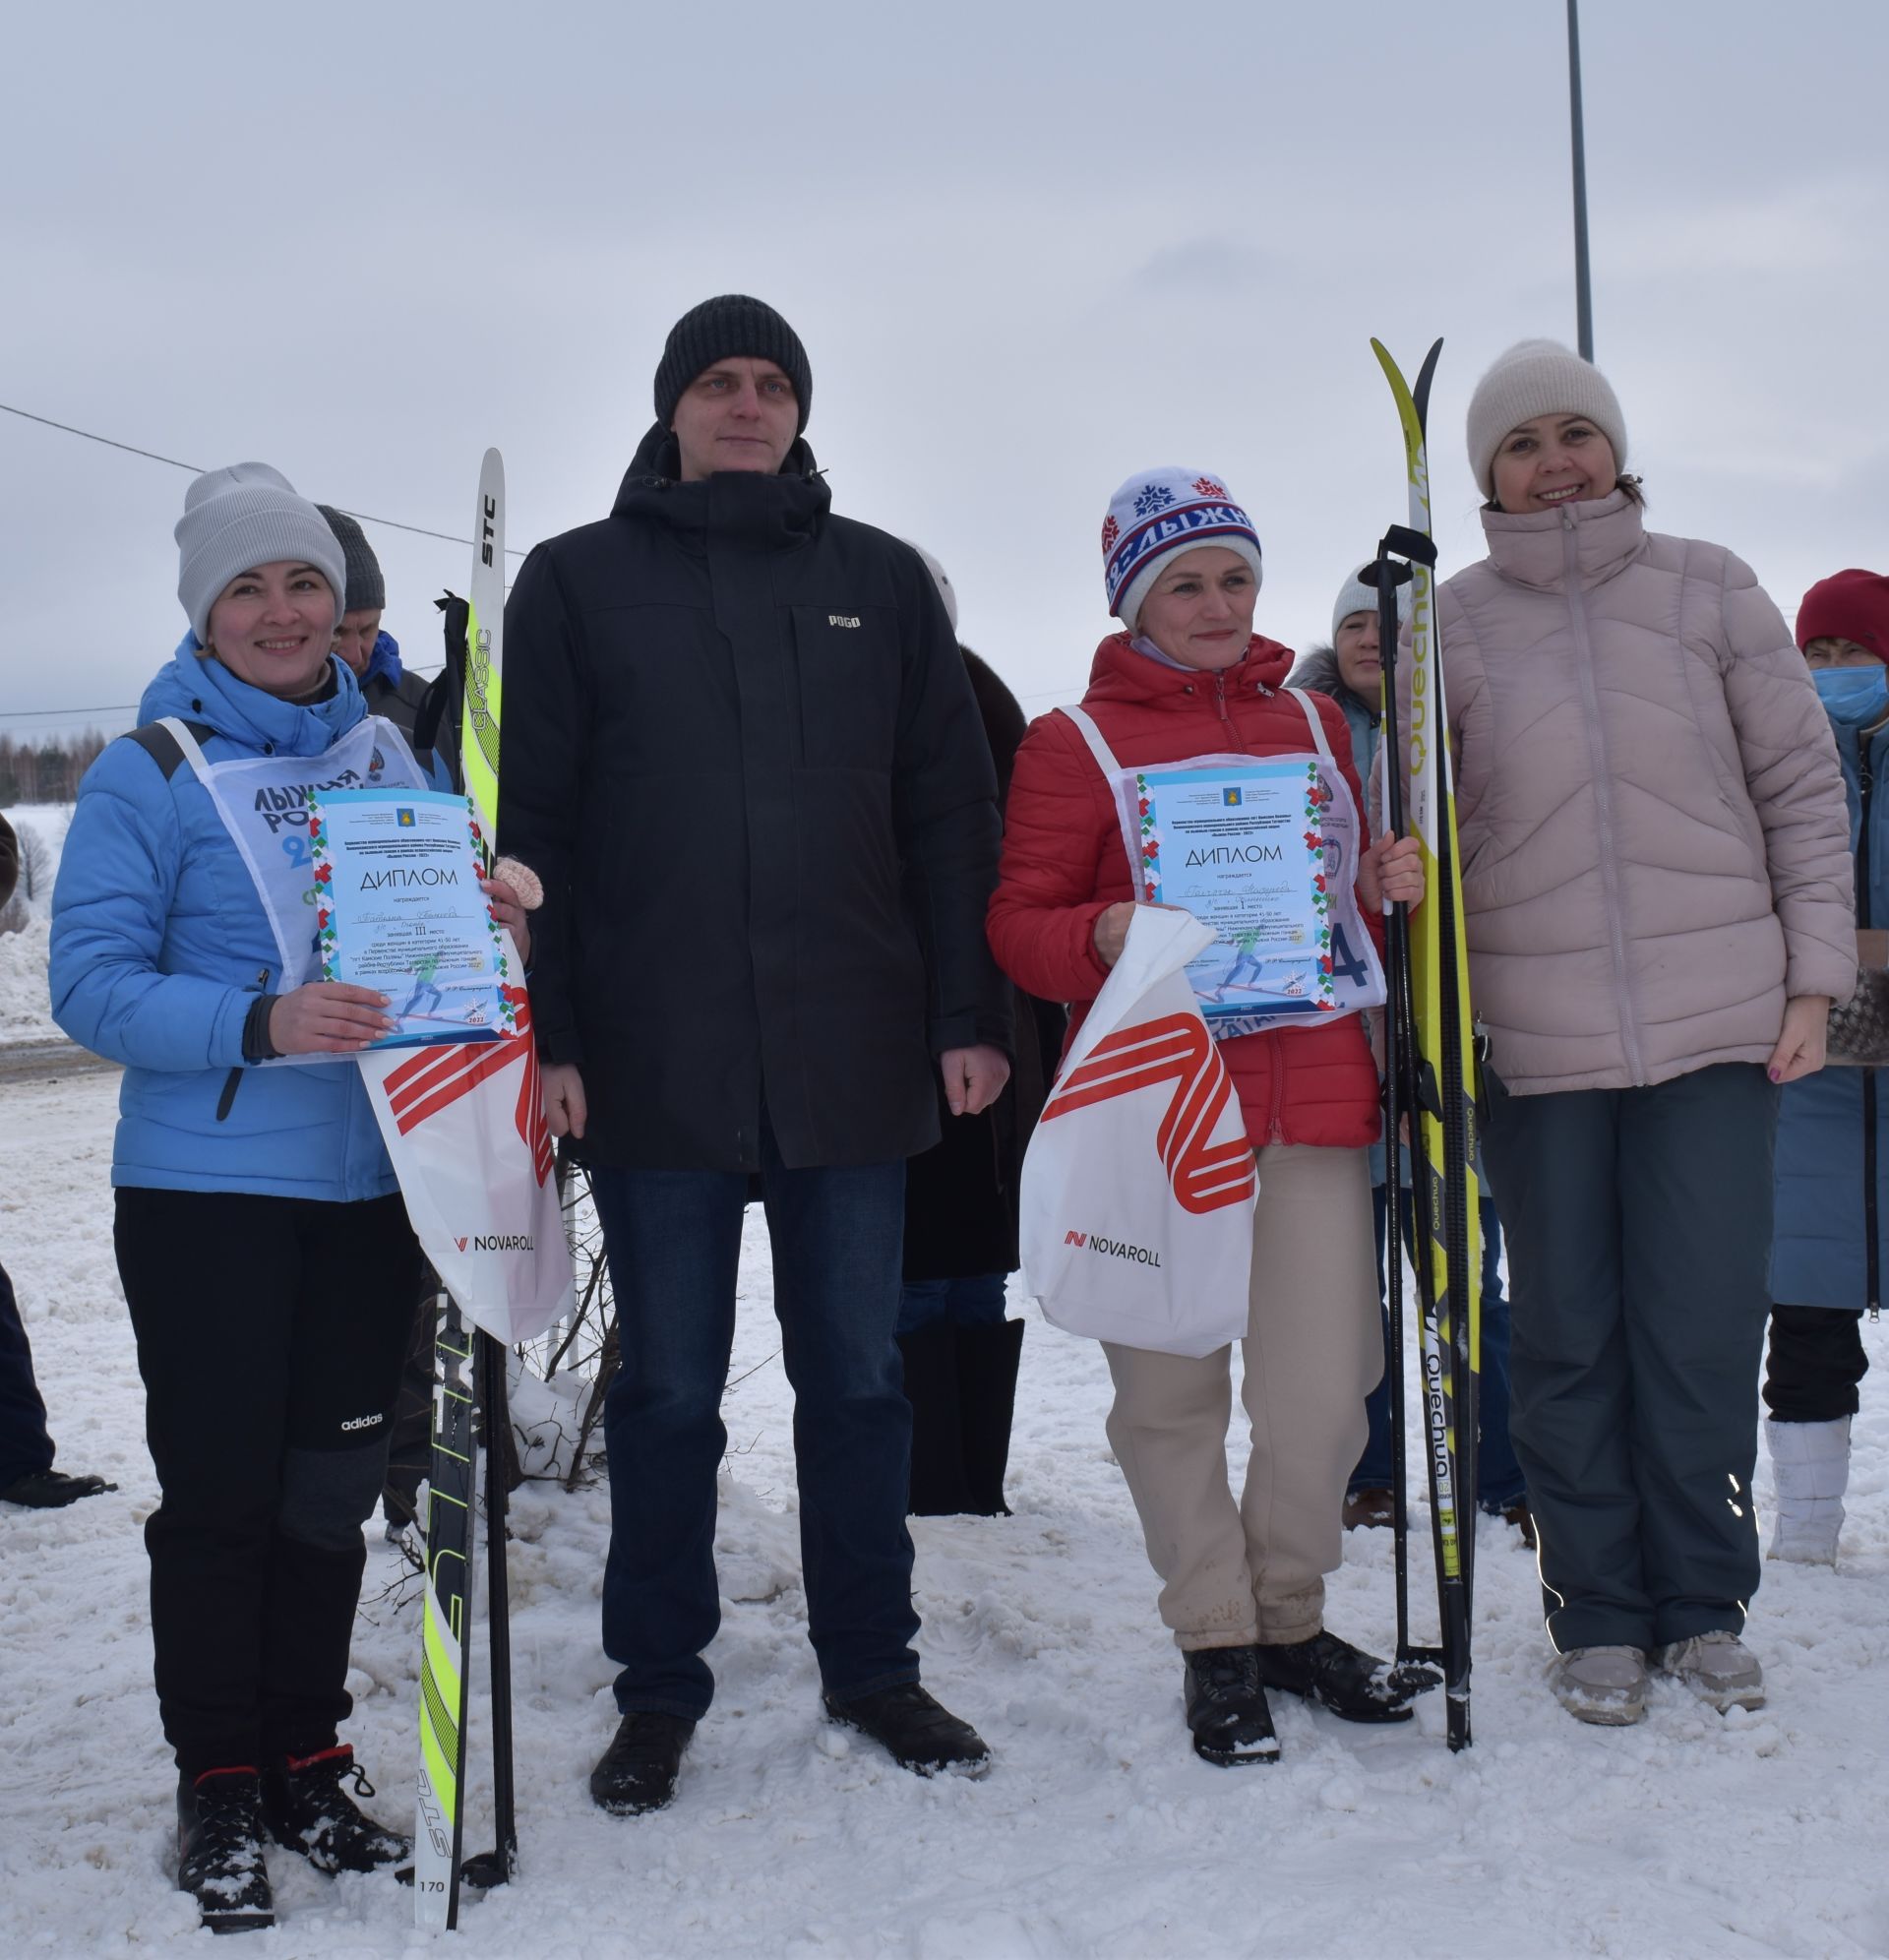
(1030,249)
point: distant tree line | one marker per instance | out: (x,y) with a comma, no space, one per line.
(48,773)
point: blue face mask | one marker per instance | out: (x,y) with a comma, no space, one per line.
(1857,697)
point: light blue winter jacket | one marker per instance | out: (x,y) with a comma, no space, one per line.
(161,945)
(1819,1254)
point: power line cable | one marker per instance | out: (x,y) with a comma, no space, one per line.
(131,448)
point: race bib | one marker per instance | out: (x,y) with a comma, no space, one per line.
(262,802)
(1262,849)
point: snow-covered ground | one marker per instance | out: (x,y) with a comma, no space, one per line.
(1098,1833)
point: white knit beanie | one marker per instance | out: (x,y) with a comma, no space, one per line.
(242,517)
(1539,378)
(1157,512)
(1354,596)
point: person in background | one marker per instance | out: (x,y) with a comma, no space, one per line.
(1352,672)
(961,1353)
(373,656)
(27,1475)
(1827,1254)
(1657,890)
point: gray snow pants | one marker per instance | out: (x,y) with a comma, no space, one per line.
(1639,1238)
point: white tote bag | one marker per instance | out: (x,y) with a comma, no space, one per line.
(464,1125)
(1140,1184)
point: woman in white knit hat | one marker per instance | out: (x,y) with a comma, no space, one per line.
(262,1242)
(1243,1572)
(1657,882)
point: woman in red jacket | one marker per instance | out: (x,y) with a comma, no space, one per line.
(1243,1585)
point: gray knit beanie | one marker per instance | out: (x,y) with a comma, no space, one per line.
(1355,596)
(237,518)
(1539,378)
(366,589)
(719,329)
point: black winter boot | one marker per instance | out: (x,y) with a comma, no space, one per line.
(1355,1686)
(219,1850)
(918,1734)
(309,1812)
(638,1772)
(1226,1707)
(937,1444)
(987,1363)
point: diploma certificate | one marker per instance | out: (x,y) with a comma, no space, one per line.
(399,908)
(1243,848)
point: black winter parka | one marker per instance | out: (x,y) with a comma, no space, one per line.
(741,751)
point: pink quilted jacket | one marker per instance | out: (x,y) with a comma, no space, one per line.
(1652,822)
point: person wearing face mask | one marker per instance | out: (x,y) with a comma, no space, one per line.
(261,1239)
(1243,1575)
(1351,670)
(1827,1256)
(1657,888)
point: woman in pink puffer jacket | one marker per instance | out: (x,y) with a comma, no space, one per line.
(1657,880)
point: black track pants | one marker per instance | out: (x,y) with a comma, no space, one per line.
(1639,1236)
(269,1332)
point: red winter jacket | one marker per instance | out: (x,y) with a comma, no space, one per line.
(1065,864)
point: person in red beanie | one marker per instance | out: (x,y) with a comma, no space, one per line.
(1832,1189)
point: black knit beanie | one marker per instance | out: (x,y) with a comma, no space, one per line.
(366,589)
(721,328)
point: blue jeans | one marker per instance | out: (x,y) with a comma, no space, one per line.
(674,1245)
(1498,1480)
(977,1302)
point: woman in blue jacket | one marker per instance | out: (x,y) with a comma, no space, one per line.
(263,1246)
(1829,1251)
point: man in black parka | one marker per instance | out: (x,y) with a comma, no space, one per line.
(743,755)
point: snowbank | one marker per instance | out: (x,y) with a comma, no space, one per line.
(25,1011)
(1097,1834)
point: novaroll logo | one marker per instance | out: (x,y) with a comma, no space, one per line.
(1205,1176)
(1113,1248)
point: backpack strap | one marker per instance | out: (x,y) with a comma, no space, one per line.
(163,742)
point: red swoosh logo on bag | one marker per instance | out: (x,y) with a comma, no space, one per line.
(438,1078)
(1205,1176)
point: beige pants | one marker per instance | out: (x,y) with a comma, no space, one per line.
(1254,1570)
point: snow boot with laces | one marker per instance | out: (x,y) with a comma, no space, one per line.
(1353,1684)
(308,1811)
(1227,1709)
(220,1849)
(1718,1667)
(1604,1686)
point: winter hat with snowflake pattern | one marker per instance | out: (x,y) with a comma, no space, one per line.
(1157,512)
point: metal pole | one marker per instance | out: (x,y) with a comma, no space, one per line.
(1583,291)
